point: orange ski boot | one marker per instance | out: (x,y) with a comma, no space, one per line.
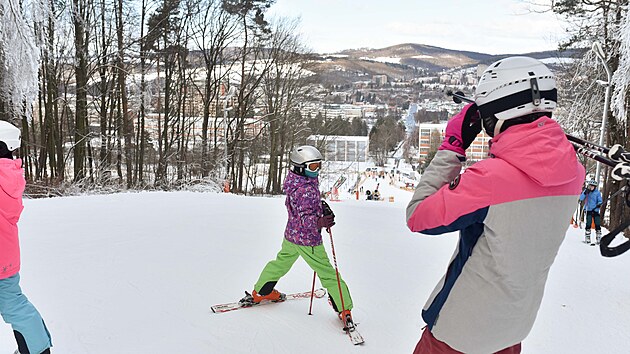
(274,296)
(346,317)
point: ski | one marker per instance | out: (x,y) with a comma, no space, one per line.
(232,306)
(351,330)
(355,336)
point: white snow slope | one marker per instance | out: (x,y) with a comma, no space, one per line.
(137,273)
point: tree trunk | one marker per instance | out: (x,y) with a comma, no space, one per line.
(127,126)
(143,89)
(79,15)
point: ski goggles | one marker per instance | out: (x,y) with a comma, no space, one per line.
(314,166)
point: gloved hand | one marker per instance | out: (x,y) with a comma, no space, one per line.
(587,191)
(462,129)
(326,209)
(326,222)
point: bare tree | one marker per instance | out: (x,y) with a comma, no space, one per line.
(81,19)
(253,64)
(284,87)
(384,137)
(162,28)
(214,30)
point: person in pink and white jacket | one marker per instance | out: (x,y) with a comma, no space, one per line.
(511,211)
(28,326)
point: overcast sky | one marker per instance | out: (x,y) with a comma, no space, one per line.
(486,26)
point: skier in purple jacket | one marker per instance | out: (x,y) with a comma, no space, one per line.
(302,235)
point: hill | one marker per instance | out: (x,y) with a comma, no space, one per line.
(136,273)
(404,61)
(420,56)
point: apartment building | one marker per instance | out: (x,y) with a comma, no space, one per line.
(477,151)
(345,111)
(341,148)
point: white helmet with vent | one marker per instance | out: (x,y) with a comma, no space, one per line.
(10,135)
(303,154)
(515,87)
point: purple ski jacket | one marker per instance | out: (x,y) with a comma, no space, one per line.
(304,209)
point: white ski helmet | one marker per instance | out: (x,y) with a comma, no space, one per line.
(515,87)
(303,154)
(10,135)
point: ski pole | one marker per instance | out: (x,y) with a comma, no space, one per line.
(312,294)
(577,213)
(332,246)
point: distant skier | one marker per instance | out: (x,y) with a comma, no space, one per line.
(377,195)
(28,327)
(591,206)
(302,236)
(511,211)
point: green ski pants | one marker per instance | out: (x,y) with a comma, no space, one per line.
(317,259)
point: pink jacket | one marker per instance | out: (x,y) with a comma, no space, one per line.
(12,185)
(511,211)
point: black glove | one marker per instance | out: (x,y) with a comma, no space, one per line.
(587,191)
(326,208)
(462,129)
(326,222)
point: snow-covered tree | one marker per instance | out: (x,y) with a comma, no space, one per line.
(19,55)
(621,77)
(604,21)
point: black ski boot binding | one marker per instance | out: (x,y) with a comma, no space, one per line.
(247,300)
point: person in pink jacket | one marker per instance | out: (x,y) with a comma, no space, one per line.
(28,326)
(509,210)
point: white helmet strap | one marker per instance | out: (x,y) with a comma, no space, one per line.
(497,127)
